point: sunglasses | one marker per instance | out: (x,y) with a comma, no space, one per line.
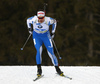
(40,17)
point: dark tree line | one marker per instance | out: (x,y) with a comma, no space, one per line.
(77,35)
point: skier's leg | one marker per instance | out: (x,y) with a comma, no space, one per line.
(53,57)
(39,70)
(55,62)
(49,46)
(38,46)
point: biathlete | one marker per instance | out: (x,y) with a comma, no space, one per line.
(41,35)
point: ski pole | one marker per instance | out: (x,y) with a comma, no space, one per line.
(56,49)
(25,42)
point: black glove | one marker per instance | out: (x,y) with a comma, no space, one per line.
(30,30)
(52,35)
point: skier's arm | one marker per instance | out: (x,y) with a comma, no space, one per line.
(54,26)
(53,23)
(29,22)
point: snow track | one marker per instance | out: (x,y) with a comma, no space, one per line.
(26,74)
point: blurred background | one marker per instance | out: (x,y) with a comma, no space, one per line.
(77,35)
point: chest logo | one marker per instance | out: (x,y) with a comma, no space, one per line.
(40,26)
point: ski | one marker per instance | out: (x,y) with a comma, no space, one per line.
(38,77)
(65,76)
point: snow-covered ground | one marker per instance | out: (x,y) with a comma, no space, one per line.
(26,74)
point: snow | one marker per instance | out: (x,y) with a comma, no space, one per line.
(26,74)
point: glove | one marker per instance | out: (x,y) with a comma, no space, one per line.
(30,30)
(52,35)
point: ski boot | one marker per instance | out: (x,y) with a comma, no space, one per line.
(59,71)
(39,71)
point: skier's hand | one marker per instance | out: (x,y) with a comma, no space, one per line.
(30,30)
(52,35)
